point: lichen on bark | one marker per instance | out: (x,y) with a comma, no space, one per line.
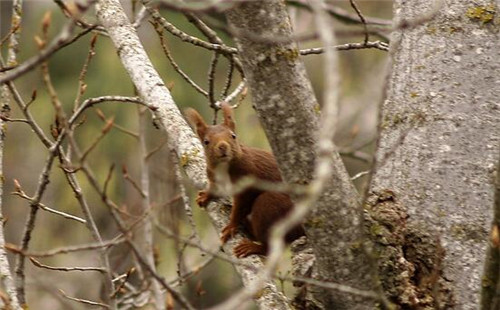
(409,256)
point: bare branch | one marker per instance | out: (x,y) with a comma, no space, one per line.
(62,40)
(223,49)
(81,79)
(127,177)
(40,265)
(50,210)
(342,14)
(362,18)
(213,38)
(84,301)
(67,250)
(176,67)
(30,225)
(211,79)
(348,46)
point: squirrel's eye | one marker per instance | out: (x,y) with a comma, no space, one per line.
(233,135)
(206,142)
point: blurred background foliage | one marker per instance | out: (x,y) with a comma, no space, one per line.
(362,75)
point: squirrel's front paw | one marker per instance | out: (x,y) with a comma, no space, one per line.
(203,198)
(228,232)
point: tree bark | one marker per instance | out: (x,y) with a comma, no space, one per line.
(11,300)
(181,137)
(288,110)
(440,133)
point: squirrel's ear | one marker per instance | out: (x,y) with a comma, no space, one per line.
(196,121)
(227,111)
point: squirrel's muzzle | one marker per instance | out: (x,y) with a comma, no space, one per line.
(223,148)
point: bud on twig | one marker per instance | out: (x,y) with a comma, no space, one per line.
(100,114)
(46,21)
(108,126)
(17,186)
(93,41)
(39,42)
(83,88)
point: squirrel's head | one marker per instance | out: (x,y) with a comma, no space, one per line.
(219,141)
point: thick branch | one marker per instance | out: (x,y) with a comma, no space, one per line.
(286,106)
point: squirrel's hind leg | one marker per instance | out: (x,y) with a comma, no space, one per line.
(247,247)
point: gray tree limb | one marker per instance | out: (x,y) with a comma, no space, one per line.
(284,100)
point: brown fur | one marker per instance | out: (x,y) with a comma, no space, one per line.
(253,209)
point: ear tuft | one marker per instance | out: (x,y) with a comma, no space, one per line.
(196,121)
(227,111)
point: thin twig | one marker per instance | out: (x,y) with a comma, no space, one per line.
(108,178)
(342,14)
(24,109)
(124,278)
(176,67)
(30,225)
(240,89)
(40,265)
(224,49)
(50,210)
(81,23)
(229,79)
(362,156)
(66,250)
(140,17)
(214,38)
(122,129)
(84,301)
(104,131)
(14,120)
(359,175)
(362,18)
(62,40)
(211,80)
(83,73)
(156,149)
(348,46)
(12,31)
(134,184)
(104,99)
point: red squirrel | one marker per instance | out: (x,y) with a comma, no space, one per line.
(256,210)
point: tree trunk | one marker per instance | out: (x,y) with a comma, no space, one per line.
(440,134)
(286,105)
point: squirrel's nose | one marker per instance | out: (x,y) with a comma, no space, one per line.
(223,147)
